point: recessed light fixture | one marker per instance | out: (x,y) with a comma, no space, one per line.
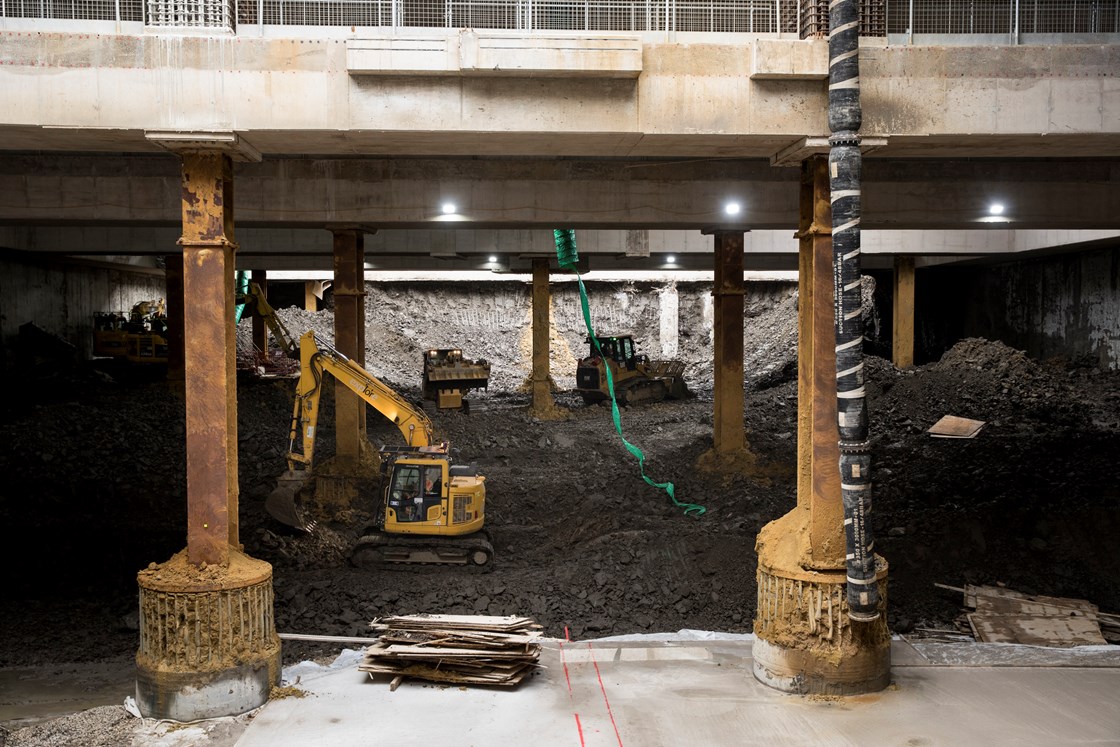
(732,208)
(995,208)
(448,208)
(670,259)
(493,258)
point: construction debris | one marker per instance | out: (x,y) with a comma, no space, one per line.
(951,426)
(458,649)
(1006,616)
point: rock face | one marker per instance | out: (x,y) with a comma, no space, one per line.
(492,320)
(95,486)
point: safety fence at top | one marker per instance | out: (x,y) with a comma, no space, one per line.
(788,18)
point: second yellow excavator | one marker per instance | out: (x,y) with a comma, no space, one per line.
(429,509)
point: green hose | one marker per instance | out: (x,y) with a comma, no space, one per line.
(241,288)
(568,257)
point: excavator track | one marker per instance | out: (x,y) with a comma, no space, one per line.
(378,550)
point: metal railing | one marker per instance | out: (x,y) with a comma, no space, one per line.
(797,18)
(1010,17)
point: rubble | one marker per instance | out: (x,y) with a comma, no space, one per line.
(96,489)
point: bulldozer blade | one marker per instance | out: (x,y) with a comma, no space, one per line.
(282,503)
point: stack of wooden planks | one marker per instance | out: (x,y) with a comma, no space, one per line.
(1006,616)
(458,649)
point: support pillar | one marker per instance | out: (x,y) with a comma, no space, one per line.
(310,296)
(208,645)
(260,329)
(826,510)
(173,274)
(542,404)
(902,328)
(729,436)
(805,641)
(349,339)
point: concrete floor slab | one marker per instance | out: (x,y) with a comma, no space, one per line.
(673,692)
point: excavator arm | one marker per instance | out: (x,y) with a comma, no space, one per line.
(256,302)
(317,360)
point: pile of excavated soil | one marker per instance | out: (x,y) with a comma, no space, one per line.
(94,491)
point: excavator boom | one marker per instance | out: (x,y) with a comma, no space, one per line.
(316,360)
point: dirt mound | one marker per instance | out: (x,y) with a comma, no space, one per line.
(582,543)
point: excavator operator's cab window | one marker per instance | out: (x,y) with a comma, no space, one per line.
(404,494)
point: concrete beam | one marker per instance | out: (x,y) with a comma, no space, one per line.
(689,100)
(586,194)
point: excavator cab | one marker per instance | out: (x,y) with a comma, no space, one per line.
(426,494)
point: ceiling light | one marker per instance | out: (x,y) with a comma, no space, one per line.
(995,209)
(492,258)
(670,260)
(448,208)
(732,208)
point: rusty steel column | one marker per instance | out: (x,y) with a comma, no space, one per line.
(210,347)
(902,328)
(542,389)
(805,340)
(173,274)
(729,434)
(208,642)
(260,329)
(805,641)
(349,339)
(826,526)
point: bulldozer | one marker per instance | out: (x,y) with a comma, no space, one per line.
(636,378)
(447,375)
(429,510)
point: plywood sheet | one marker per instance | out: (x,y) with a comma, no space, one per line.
(1036,630)
(951,426)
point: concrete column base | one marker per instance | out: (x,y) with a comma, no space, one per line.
(208,643)
(806,642)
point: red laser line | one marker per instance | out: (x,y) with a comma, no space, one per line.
(564,661)
(604,689)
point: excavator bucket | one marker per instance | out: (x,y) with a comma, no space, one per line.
(282,503)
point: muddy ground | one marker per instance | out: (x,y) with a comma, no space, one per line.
(94,490)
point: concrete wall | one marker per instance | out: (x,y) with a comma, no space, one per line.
(61,296)
(751,98)
(1061,306)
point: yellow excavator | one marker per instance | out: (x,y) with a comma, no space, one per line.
(429,510)
(255,302)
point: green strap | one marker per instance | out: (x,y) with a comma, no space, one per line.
(241,288)
(689,508)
